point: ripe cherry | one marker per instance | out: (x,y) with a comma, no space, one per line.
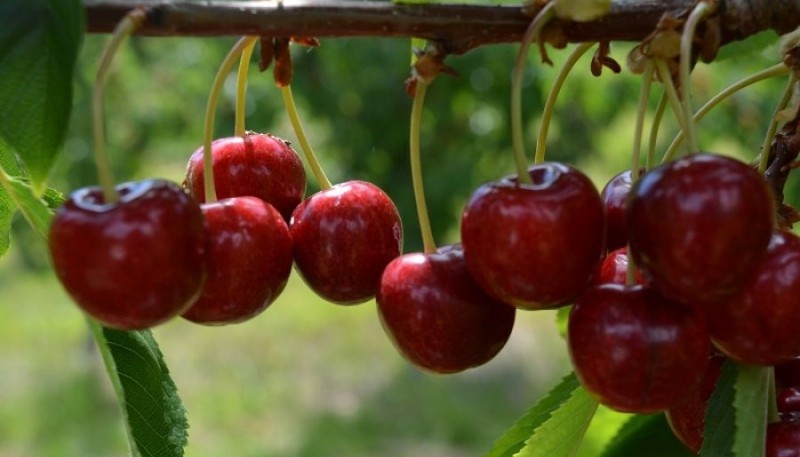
(788,403)
(535,245)
(258,165)
(634,350)
(436,314)
(783,439)
(615,197)
(686,417)
(787,374)
(250,259)
(614,269)
(698,224)
(135,263)
(343,239)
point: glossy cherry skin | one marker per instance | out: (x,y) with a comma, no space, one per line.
(258,165)
(614,269)
(437,316)
(250,259)
(698,224)
(759,325)
(788,402)
(787,374)
(537,245)
(783,439)
(343,239)
(132,264)
(615,197)
(633,350)
(686,418)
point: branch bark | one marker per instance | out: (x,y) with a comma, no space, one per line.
(461,27)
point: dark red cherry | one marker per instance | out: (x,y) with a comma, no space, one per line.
(787,374)
(437,316)
(615,197)
(634,350)
(788,402)
(535,245)
(258,165)
(759,325)
(783,439)
(614,269)
(250,259)
(132,264)
(698,224)
(343,239)
(686,417)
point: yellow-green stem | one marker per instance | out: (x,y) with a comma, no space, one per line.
(657,118)
(428,243)
(773,124)
(123,30)
(771,72)
(517,142)
(211,106)
(699,12)
(672,97)
(311,158)
(547,113)
(241,88)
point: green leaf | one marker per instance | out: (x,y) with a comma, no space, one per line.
(153,411)
(745,49)
(750,405)
(649,432)
(720,429)
(568,392)
(38,50)
(562,319)
(35,209)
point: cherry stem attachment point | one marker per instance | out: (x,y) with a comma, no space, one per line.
(241,88)
(657,118)
(428,243)
(699,12)
(773,124)
(123,30)
(549,106)
(211,106)
(672,97)
(311,158)
(533,32)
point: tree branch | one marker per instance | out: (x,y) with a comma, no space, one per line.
(462,27)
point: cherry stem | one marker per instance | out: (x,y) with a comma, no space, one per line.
(241,88)
(533,31)
(657,118)
(311,158)
(547,113)
(208,127)
(123,30)
(772,397)
(699,12)
(428,244)
(773,125)
(771,72)
(672,96)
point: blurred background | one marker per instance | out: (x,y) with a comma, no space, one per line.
(308,378)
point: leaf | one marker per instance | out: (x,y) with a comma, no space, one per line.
(152,409)
(750,405)
(649,432)
(515,437)
(562,320)
(744,49)
(35,209)
(720,429)
(38,51)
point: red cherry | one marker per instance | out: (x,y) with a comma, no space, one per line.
(258,165)
(634,350)
(614,269)
(787,374)
(437,316)
(343,239)
(759,325)
(250,259)
(783,439)
(615,197)
(698,224)
(132,264)
(686,418)
(535,245)
(788,402)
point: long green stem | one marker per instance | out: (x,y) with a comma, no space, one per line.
(773,124)
(657,118)
(771,72)
(123,30)
(699,12)
(311,158)
(672,97)
(416,169)
(549,106)
(241,88)
(533,31)
(211,106)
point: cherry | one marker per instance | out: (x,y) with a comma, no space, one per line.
(343,239)
(615,197)
(614,269)
(698,224)
(634,350)
(787,374)
(250,259)
(437,316)
(535,245)
(135,263)
(783,439)
(258,165)
(788,403)
(686,418)
(758,325)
